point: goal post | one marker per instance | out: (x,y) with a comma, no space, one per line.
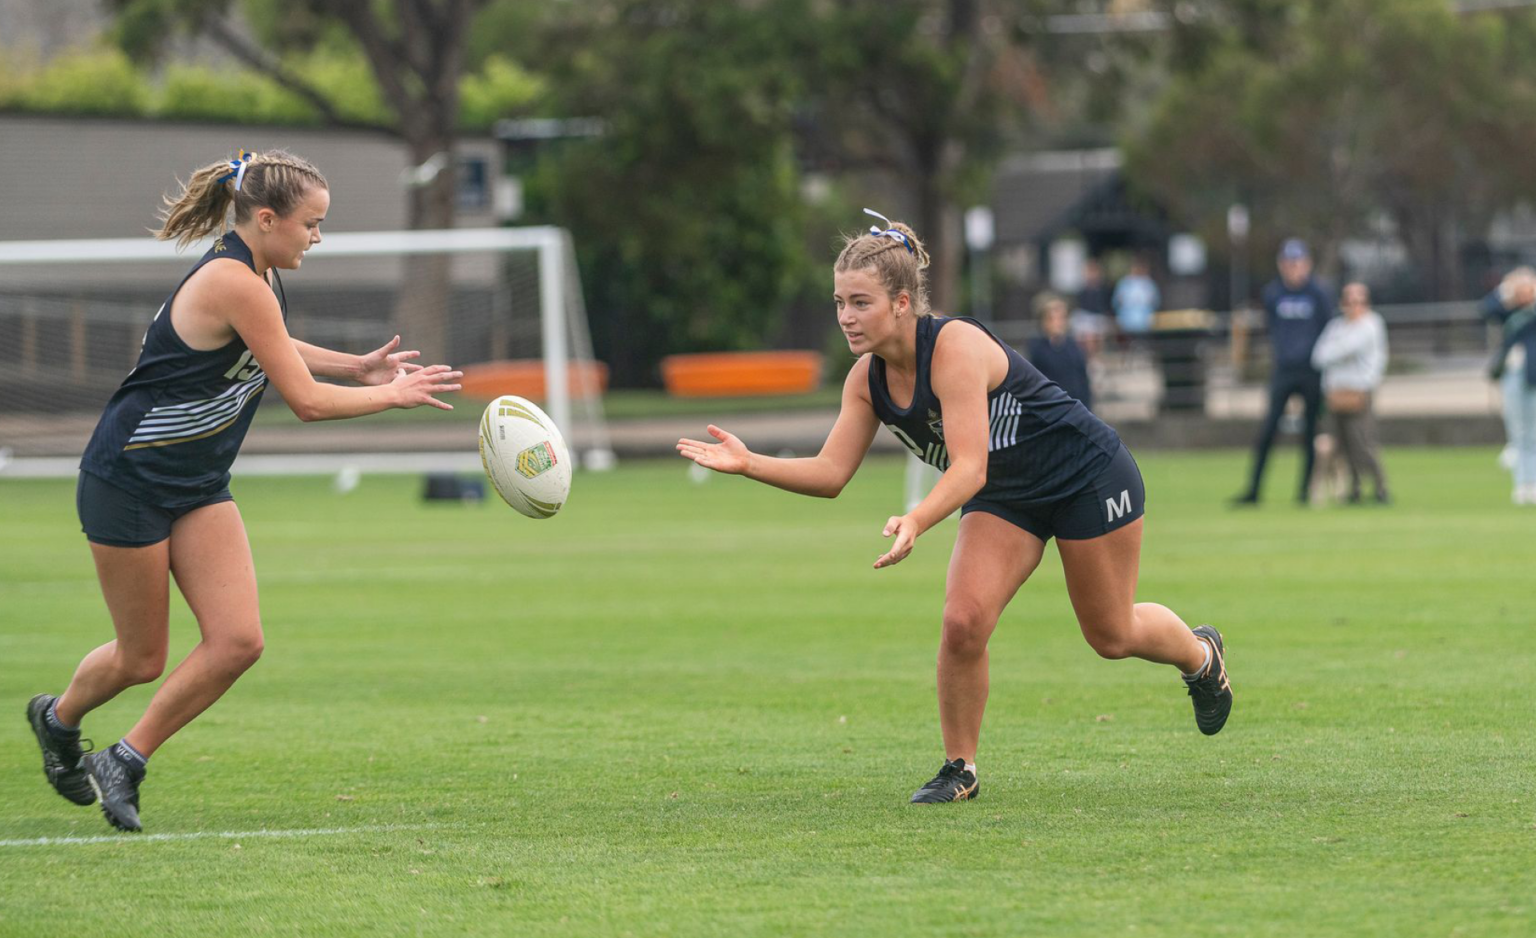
(72,313)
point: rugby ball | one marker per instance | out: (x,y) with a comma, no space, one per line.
(525,456)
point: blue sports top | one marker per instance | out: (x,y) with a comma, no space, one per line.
(1043,444)
(171,431)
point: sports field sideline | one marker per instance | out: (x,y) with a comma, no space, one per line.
(682,709)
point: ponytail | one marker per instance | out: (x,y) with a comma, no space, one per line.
(276,180)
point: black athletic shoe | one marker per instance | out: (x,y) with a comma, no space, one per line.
(62,755)
(1211,693)
(118,787)
(953,783)
(1245,500)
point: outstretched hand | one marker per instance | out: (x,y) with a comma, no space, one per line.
(905,531)
(729,455)
(384,364)
(417,387)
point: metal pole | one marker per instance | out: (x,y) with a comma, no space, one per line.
(557,389)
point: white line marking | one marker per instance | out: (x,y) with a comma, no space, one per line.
(221,835)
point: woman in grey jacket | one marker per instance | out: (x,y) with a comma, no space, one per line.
(1513,307)
(1352,355)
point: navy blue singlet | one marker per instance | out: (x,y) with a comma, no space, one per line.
(1043,445)
(171,431)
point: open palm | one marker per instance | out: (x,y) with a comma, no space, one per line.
(730,455)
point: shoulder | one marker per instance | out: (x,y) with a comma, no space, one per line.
(1272,291)
(856,390)
(858,376)
(957,336)
(228,276)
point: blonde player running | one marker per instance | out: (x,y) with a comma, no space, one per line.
(153,492)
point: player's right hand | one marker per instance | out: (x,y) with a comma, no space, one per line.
(417,387)
(730,455)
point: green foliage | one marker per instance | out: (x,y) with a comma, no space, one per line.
(1325,115)
(687,212)
(501,88)
(103,81)
(95,81)
(199,93)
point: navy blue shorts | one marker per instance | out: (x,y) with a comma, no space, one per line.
(111,516)
(1114,499)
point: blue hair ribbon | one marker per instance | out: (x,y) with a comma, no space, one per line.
(237,167)
(889,231)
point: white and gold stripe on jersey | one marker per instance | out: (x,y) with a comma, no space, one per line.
(195,420)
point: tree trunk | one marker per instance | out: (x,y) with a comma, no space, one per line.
(423,311)
(939,221)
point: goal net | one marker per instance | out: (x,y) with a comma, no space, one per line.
(505,303)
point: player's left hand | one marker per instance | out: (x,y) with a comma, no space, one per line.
(905,531)
(384,364)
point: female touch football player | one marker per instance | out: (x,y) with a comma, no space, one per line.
(153,492)
(1020,459)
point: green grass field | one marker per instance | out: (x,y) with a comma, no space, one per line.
(683,709)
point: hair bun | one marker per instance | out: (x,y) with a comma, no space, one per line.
(917,245)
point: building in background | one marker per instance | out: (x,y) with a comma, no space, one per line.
(1055,210)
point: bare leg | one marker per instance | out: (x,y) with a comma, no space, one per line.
(211,560)
(137,591)
(992,559)
(1101,579)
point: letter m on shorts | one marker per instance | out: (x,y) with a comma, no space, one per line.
(1118,508)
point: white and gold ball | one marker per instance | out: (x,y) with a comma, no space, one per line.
(525,456)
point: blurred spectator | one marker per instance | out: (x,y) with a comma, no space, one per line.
(1093,297)
(1513,307)
(1295,308)
(1135,300)
(1352,355)
(1090,318)
(1056,353)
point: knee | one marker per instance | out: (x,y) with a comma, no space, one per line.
(241,650)
(142,666)
(1110,642)
(966,630)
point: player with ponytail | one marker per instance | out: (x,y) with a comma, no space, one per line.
(153,491)
(1021,460)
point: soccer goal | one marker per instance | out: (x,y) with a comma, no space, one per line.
(73,313)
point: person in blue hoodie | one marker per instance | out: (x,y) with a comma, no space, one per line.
(1296,309)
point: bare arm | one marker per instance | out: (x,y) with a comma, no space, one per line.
(380,366)
(325,363)
(822,475)
(964,361)
(255,316)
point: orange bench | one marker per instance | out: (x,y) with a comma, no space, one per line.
(525,378)
(741,374)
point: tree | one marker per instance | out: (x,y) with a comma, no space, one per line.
(917,88)
(1327,116)
(415,50)
(686,213)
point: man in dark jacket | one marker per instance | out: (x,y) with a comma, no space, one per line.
(1056,353)
(1296,309)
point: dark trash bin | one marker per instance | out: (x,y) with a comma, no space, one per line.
(1178,341)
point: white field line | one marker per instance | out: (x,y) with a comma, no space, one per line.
(126,838)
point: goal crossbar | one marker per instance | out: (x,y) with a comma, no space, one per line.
(558,300)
